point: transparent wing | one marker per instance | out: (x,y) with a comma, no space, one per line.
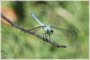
(62,30)
(34,28)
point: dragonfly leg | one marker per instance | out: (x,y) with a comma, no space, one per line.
(44,36)
(50,37)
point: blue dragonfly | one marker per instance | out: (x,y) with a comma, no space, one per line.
(48,29)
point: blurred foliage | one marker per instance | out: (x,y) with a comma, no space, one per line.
(70,15)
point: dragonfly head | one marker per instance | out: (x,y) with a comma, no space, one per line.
(50,32)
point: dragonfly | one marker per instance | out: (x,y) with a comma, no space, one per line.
(48,29)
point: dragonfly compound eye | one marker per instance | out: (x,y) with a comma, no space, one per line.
(51,32)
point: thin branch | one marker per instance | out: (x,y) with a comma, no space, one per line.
(27,31)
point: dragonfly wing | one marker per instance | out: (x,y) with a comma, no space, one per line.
(62,30)
(59,29)
(35,28)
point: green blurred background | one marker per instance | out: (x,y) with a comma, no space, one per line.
(70,15)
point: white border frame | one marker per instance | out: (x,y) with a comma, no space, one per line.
(44,0)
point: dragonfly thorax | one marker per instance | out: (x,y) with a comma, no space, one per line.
(48,30)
